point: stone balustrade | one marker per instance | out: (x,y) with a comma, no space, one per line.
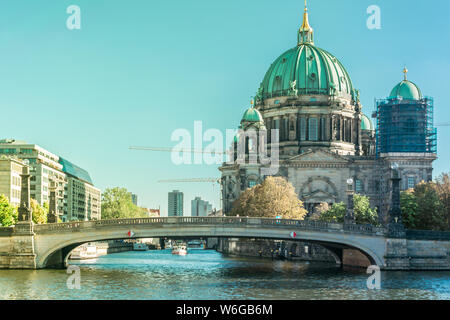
(6,231)
(244,221)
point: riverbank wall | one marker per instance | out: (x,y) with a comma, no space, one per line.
(104,248)
(420,250)
(291,250)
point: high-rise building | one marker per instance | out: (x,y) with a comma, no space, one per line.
(200,208)
(134,199)
(76,197)
(175,208)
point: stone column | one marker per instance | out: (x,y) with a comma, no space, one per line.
(22,254)
(24,209)
(349,215)
(333,128)
(358,132)
(52,216)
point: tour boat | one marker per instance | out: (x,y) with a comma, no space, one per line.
(140,247)
(84,252)
(179,249)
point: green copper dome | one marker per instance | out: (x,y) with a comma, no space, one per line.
(252,115)
(366,123)
(406,90)
(306,69)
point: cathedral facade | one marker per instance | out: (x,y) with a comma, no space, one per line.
(324,139)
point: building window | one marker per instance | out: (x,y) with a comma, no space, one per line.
(322,129)
(411,183)
(251,184)
(313,129)
(302,129)
(359,186)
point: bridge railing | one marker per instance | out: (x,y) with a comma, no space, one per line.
(6,231)
(244,221)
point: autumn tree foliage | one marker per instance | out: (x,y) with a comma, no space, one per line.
(39,213)
(274,197)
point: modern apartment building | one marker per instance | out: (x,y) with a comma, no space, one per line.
(10,180)
(200,208)
(76,197)
(175,208)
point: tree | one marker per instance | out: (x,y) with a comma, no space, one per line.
(8,213)
(430,214)
(117,204)
(443,190)
(274,197)
(364,214)
(408,205)
(39,213)
(362,211)
(335,214)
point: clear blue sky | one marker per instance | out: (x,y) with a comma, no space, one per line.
(137,70)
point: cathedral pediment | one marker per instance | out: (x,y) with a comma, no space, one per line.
(320,195)
(318,156)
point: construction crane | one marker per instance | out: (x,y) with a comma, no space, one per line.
(193,180)
(210,180)
(176,150)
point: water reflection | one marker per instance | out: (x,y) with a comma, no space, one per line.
(208,275)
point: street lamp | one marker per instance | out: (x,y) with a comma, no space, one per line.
(349,216)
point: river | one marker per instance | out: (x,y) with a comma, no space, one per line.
(206,275)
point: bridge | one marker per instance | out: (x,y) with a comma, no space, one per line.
(30,246)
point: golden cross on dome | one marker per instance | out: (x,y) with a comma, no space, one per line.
(405,71)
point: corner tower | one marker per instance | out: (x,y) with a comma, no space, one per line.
(405,121)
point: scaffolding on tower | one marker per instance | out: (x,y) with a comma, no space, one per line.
(405,125)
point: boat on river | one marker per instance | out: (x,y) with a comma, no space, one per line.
(180,249)
(84,252)
(137,246)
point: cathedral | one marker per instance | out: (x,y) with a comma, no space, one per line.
(327,145)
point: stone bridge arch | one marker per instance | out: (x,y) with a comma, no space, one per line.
(54,242)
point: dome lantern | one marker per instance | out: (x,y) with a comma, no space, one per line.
(305,33)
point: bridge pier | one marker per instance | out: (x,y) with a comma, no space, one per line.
(397,257)
(21,253)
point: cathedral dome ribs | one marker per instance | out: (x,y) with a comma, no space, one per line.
(308,95)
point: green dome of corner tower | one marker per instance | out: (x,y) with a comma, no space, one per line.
(366,123)
(252,115)
(306,69)
(406,90)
